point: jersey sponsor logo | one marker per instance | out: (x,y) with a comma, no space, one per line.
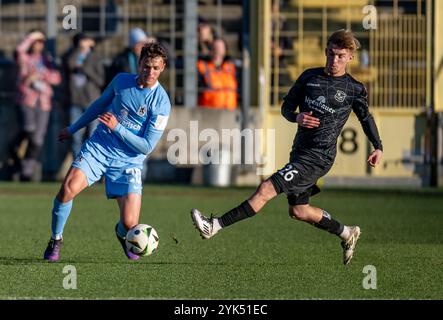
(161,122)
(142,110)
(124,121)
(340,96)
(319,104)
(128,124)
(310,84)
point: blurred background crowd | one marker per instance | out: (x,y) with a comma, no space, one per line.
(231,63)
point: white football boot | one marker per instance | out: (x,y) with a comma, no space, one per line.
(349,245)
(203,224)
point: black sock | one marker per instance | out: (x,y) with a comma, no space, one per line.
(243,211)
(329,224)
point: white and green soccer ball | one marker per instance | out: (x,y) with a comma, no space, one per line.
(142,240)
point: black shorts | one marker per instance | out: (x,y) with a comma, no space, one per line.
(298,182)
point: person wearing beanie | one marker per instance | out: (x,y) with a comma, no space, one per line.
(126,61)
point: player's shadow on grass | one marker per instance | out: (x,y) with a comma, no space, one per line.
(9,261)
(5,261)
(15,261)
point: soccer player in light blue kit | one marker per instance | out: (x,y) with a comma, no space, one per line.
(133,111)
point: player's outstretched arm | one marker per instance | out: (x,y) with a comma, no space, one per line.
(96,108)
(375,157)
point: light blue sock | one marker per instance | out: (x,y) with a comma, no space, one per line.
(121,230)
(60,214)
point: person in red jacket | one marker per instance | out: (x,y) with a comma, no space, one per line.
(217,79)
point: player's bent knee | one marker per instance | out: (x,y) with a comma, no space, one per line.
(66,193)
(297,212)
(74,183)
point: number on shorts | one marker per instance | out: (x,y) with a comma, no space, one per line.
(136,174)
(288,172)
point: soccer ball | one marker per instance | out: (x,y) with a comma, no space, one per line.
(142,240)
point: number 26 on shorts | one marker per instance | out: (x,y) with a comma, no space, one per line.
(288,172)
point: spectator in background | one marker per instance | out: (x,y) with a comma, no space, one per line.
(205,39)
(84,75)
(126,61)
(36,75)
(217,79)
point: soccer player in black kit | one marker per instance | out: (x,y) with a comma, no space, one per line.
(325,96)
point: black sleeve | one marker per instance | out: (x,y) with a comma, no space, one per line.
(288,111)
(361,109)
(293,99)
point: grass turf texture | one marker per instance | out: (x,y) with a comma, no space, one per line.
(267,257)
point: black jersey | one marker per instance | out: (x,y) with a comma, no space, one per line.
(331,100)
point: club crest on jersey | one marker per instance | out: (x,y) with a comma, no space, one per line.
(142,111)
(340,96)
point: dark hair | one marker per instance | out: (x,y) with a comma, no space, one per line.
(77,38)
(344,39)
(202,20)
(154,50)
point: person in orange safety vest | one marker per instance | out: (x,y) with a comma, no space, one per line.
(217,79)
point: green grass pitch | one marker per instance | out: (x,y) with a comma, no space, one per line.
(267,257)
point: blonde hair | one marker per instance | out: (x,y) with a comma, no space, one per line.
(344,39)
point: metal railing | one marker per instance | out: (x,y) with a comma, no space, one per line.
(111,20)
(398,54)
(392,62)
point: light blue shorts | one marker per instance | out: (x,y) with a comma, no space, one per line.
(121,178)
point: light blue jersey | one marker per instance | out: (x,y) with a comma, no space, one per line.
(142,114)
(117,154)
